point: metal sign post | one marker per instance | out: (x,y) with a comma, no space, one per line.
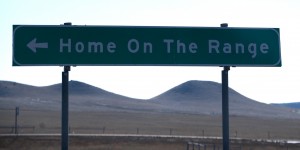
(225,104)
(65,107)
(225,108)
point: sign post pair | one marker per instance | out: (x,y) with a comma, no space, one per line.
(137,45)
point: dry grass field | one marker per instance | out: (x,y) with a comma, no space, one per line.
(151,123)
(144,123)
(131,143)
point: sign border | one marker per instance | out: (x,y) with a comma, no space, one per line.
(276,30)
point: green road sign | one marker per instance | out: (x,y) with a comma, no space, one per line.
(59,45)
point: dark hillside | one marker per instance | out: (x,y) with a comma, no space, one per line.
(206,97)
(193,97)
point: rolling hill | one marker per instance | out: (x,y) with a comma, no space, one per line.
(205,97)
(82,97)
(192,97)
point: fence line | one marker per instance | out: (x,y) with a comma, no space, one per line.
(20,128)
(108,130)
(197,145)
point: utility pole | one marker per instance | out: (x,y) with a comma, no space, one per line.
(16,120)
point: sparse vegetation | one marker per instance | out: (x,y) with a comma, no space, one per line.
(153,123)
(93,111)
(132,143)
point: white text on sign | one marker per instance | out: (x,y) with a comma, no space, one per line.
(171,46)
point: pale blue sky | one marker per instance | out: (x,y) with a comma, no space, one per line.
(269,85)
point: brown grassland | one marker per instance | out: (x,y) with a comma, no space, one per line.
(143,123)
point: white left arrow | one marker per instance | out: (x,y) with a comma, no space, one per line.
(33,45)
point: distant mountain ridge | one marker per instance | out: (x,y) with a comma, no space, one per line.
(295,105)
(194,97)
(75,88)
